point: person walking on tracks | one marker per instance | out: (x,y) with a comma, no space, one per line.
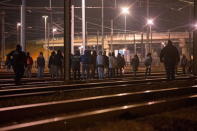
(59,60)
(40,65)
(148,63)
(75,65)
(29,66)
(19,63)
(51,65)
(100,65)
(111,65)
(85,60)
(170,57)
(184,63)
(135,64)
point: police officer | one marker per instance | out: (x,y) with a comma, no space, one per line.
(19,63)
(170,57)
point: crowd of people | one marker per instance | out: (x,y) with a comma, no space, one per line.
(21,62)
(93,65)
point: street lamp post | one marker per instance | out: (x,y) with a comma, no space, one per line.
(102,24)
(150,23)
(54,30)
(45,37)
(125,11)
(23,26)
(17,28)
(112,33)
(83,25)
(45,27)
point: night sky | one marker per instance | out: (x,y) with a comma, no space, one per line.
(172,15)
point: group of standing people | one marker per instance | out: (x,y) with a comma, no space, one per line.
(21,63)
(55,64)
(135,64)
(170,57)
(91,63)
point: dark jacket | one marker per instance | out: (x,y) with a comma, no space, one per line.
(135,63)
(51,61)
(18,58)
(40,62)
(85,59)
(58,60)
(75,61)
(170,55)
(106,61)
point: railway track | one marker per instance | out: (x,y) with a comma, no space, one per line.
(48,89)
(26,82)
(4,80)
(66,114)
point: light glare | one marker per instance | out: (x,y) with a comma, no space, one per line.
(45,16)
(150,22)
(18,24)
(125,10)
(54,29)
(195,26)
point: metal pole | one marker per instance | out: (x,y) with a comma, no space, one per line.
(125,27)
(142,43)
(23,26)
(48,35)
(147,33)
(97,41)
(83,26)
(50,3)
(135,50)
(190,43)
(150,38)
(51,21)
(17,32)
(102,24)
(112,33)
(67,39)
(45,27)
(86,33)
(195,41)
(3,35)
(73,29)
(53,40)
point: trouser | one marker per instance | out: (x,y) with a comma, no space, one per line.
(40,71)
(135,69)
(148,70)
(106,71)
(184,69)
(53,70)
(111,72)
(101,72)
(120,71)
(28,71)
(76,72)
(19,72)
(85,71)
(170,72)
(93,71)
(58,71)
